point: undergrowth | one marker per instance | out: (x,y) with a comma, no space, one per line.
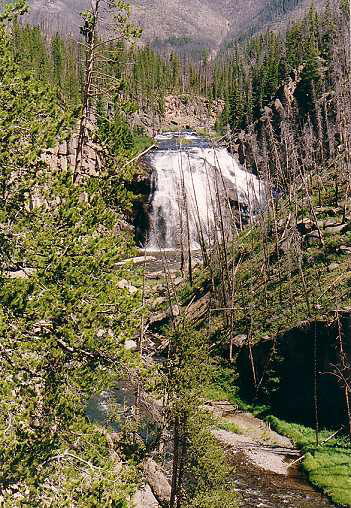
(328,465)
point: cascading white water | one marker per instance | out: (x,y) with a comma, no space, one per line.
(194,188)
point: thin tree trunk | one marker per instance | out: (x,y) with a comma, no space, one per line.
(175,468)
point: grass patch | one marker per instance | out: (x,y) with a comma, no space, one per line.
(328,465)
(229,426)
(215,393)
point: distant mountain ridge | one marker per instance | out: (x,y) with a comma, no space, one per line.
(181,23)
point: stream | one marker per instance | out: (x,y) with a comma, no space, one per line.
(194,183)
(257,487)
(261,489)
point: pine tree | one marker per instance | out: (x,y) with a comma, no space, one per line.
(64,320)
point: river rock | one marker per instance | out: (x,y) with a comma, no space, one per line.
(157,480)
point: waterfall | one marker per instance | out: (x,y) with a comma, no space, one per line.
(196,187)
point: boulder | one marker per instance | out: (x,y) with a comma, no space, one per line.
(239,340)
(335,229)
(312,238)
(327,210)
(344,249)
(157,480)
(144,498)
(84,197)
(20,274)
(333,266)
(175,311)
(124,284)
(305,226)
(131,345)
(285,244)
(63,148)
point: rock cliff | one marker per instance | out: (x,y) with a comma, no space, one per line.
(180,112)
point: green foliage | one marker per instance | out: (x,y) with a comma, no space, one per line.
(13,9)
(188,369)
(208,473)
(64,319)
(121,141)
(215,499)
(229,426)
(57,64)
(249,76)
(328,465)
(202,467)
(63,327)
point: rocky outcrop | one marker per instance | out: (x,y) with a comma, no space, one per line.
(158,482)
(63,155)
(180,112)
(144,498)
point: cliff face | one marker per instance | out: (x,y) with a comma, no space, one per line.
(180,112)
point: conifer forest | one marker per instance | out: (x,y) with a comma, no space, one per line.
(175,254)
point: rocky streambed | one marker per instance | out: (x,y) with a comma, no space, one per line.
(262,458)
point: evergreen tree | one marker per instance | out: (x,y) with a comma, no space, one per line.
(63,319)
(201,473)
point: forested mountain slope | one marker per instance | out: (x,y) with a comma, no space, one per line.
(182,24)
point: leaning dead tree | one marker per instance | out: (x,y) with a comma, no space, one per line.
(104,25)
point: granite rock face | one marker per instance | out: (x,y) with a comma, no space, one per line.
(180,112)
(158,482)
(144,498)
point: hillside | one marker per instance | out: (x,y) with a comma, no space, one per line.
(175,311)
(181,24)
